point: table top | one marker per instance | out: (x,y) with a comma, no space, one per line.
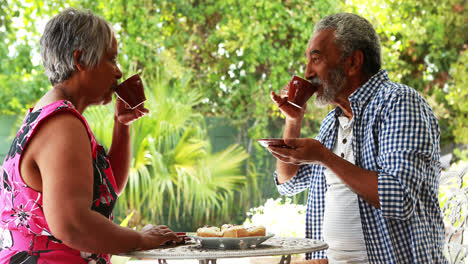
(272,247)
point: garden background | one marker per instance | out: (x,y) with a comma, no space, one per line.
(208,67)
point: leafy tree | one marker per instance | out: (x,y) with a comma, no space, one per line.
(423,44)
(21,82)
(457,97)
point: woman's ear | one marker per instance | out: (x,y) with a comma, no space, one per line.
(76,60)
(355,61)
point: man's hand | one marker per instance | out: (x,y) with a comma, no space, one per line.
(126,115)
(290,111)
(303,151)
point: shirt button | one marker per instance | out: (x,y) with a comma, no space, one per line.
(342,155)
(344,141)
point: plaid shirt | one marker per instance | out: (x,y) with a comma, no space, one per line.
(396,135)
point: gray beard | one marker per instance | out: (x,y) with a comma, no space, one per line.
(336,83)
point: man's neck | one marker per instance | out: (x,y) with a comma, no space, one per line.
(342,100)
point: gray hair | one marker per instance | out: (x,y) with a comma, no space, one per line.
(67,32)
(353,32)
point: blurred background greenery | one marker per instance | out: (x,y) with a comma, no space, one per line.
(208,67)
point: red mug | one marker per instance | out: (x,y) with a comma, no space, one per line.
(300,90)
(131,91)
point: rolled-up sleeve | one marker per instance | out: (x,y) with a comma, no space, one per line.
(407,142)
(296,184)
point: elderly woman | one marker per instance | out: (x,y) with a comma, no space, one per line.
(59,186)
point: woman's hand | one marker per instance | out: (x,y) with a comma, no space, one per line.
(126,115)
(154,236)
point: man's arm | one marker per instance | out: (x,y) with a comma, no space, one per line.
(408,156)
(285,171)
(361,181)
(311,151)
(292,129)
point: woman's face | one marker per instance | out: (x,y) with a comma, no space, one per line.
(101,80)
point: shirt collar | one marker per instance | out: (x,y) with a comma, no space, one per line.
(365,91)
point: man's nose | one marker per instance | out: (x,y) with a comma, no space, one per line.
(310,72)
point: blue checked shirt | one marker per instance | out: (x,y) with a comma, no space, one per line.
(396,135)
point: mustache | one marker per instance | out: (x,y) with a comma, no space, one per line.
(315,81)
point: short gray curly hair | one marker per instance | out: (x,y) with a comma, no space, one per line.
(353,32)
(67,32)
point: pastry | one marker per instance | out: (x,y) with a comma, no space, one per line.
(234,231)
(256,231)
(229,230)
(209,231)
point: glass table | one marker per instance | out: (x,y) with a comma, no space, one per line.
(275,246)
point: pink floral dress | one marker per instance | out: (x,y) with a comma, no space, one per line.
(25,235)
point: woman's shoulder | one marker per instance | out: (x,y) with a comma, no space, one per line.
(50,107)
(62,110)
(56,120)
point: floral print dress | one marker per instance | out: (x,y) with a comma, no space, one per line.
(25,235)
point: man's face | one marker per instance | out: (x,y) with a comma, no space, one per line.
(325,67)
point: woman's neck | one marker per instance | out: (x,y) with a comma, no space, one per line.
(59,92)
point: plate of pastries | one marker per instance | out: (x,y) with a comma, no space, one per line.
(230,236)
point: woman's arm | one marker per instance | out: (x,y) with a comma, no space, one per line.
(120,154)
(64,160)
(120,150)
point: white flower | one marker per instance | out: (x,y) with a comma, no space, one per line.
(281,219)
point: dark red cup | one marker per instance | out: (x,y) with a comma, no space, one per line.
(300,90)
(131,91)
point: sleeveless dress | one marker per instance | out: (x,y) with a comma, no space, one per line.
(25,234)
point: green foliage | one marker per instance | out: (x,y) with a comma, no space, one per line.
(453,197)
(457,98)
(22,79)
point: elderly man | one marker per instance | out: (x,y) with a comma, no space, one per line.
(373,170)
